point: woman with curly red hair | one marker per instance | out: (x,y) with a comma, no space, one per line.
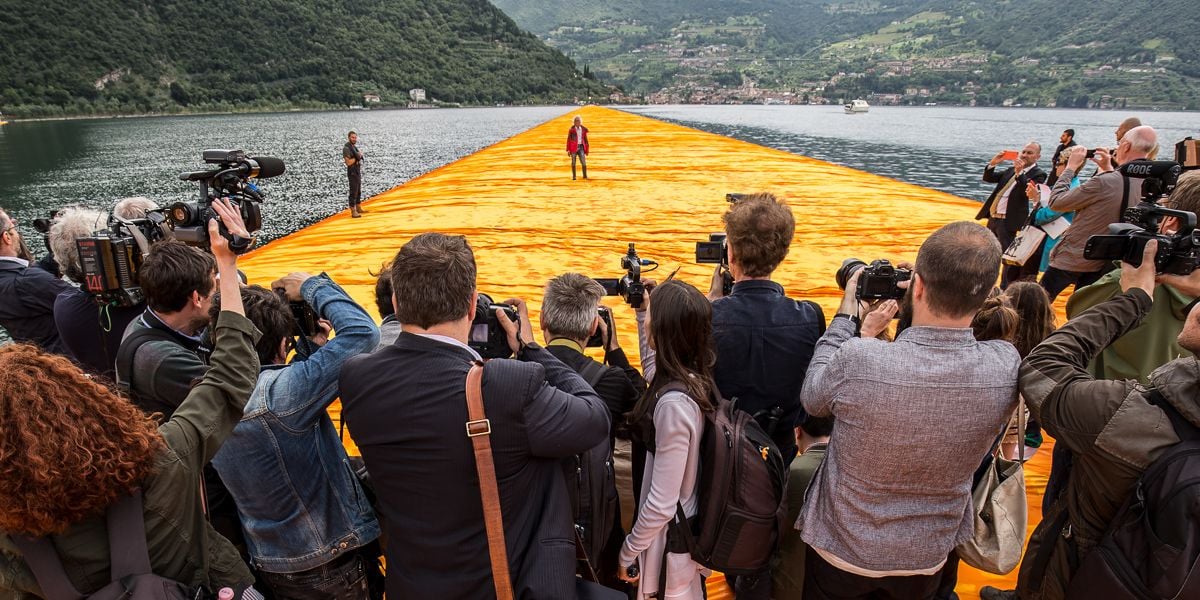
(70,448)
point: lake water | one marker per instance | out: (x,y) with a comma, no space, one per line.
(47,165)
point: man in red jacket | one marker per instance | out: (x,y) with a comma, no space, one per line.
(577,146)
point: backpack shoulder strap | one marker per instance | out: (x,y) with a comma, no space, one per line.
(128,554)
(128,351)
(592,372)
(47,567)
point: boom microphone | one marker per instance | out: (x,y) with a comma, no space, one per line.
(261,167)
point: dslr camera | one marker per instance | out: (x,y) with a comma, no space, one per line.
(879,281)
(597,339)
(629,287)
(716,252)
(229,179)
(1178,253)
(304,317)
(487,336)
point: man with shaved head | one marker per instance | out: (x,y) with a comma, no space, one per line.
(1097,203)
(1007,209)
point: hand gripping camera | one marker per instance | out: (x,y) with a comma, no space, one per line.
(879,281)
(1178,253)
(716,252)
(629,287)
(189,220)
(487,335)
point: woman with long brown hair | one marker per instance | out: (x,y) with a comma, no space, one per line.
(675,332)
(70,448)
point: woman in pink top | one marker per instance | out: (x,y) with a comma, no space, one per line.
(675,335)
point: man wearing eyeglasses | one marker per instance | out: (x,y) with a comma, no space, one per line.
(27,293)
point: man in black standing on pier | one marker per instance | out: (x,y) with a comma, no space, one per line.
(353,158)
(1065,141)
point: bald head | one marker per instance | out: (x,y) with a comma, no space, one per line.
(1142,141)
(1126,125)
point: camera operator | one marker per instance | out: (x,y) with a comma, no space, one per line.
(389,328)
(160,356)
(569,318)
(27,292)
(91,333)
(406,406)
(913,418)
(287,443)
(134,207)
(1113,428)
(1155,342)
(764,339)
(1099,202)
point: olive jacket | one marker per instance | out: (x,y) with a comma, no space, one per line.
(1113,432)
(182,545)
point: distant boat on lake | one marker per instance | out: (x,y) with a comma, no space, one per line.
(857,106)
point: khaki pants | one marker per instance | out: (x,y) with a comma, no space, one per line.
(623,467)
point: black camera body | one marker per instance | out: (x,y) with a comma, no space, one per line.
(716,252)
(487,336)
(880,279)
(597,339)
(189,219)
(304,317)
(1178,253)
(111,258)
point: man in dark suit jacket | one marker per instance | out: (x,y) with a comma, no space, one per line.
(406,409)
(1007,208)
(27,293)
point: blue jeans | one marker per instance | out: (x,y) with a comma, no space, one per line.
(344,578)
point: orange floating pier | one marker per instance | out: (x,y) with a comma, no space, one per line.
(659,185)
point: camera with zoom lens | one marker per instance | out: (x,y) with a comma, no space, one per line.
(111,258)
(304,317)
(1178,253)
(488,337)
(630,287)
(229,179)
(879,281)
(716,252)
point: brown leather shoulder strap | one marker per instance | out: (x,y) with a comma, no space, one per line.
(479,429)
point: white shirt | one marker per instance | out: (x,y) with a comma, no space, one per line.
(453,342)
(1002,201)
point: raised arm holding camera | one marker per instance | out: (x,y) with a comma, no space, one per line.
(1007,208)
(406,406)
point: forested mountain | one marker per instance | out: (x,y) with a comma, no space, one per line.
(121,56)
(1135,52)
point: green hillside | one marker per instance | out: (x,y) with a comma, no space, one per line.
(109,56)
(1134,53)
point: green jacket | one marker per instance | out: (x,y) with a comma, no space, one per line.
(183,546)
(1148,346)
(1111,429)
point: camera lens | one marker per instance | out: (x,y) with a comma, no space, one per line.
(849,267)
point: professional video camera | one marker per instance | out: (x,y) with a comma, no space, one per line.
(716,252)
(629,287)
(879,281)
(1178,253)
(487,336)
(189,220)
(111,258)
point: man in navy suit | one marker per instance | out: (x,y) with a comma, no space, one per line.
(1007,208)
(406,409)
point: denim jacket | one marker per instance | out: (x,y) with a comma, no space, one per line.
(285,465)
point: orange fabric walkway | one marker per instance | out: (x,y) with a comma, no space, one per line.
(659,185)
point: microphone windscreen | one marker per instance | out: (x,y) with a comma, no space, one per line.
(268,166)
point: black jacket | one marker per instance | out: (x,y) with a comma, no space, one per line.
(1017,211)
(406,409)
(91,335)
(27,305)
(764,343)
(619,387)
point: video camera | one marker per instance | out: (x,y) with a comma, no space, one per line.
(111,258)
(629,287)
(1178,253)
(189,219)
(487,335)
(716,252)
(879,281)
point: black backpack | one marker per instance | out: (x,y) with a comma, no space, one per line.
(130,561)
(742,494)
(1152,548)
(591,484)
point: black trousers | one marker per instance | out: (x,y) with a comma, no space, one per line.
(823,581)
(355,177)
(1054,280)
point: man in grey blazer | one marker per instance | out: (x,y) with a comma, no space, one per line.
(406,409)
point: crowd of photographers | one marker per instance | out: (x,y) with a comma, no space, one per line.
(805,457)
